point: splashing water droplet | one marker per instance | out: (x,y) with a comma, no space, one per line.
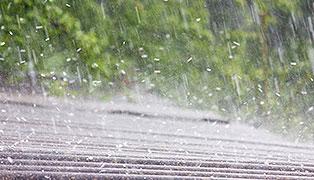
(10,160)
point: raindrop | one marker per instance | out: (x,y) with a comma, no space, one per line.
(236,43)
(94,65)
(137,15)
(303,92)
(96,83)
(149,151)
(102,165)
(156,59)
(89,158)
(39,27)
(157,71)
(10,160)
(230,52)
(235,78)
(189,60)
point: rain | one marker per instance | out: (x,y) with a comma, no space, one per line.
(122,89)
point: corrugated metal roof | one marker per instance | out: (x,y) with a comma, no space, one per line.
(76,140)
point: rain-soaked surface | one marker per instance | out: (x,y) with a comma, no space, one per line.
(57,138)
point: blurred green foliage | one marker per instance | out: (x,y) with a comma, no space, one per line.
(248,58)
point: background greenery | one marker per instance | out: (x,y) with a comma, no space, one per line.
(251,59)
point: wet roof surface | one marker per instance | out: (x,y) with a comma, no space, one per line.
(47,138)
